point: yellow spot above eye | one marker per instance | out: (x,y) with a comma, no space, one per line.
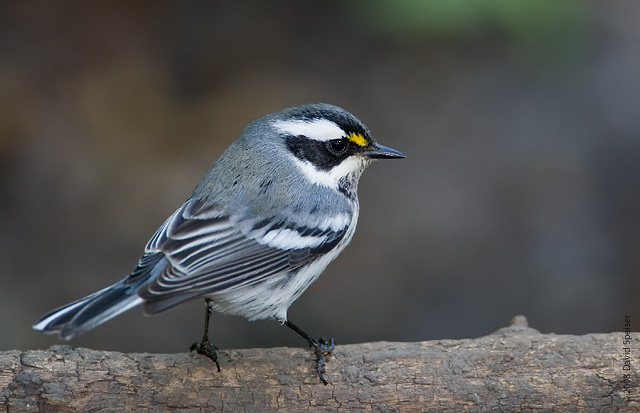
(357,138)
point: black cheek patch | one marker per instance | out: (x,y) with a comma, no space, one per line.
(314,152)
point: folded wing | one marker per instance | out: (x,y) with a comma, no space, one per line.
(209,251)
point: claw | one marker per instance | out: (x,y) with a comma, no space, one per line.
(322,349)
(207,349)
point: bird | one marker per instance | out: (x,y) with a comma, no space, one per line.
(260,227)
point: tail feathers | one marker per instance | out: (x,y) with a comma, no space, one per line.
(81,316)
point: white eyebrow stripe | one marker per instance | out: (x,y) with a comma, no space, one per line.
(317,129)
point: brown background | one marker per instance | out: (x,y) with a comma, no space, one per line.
(520,192)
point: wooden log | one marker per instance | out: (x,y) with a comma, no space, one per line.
(514,369)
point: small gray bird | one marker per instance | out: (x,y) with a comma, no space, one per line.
(263,223)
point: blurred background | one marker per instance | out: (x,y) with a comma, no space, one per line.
(520,193)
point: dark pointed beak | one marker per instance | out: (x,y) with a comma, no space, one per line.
(378,151)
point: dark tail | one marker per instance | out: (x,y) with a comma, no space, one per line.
(81,316)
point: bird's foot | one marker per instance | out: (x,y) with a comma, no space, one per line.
(322,349)
(207,349)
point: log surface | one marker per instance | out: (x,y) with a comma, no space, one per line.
(514,369)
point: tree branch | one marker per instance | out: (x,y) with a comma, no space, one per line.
(514,369)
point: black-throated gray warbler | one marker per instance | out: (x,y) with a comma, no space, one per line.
(263,223)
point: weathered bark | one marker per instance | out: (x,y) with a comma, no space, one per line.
(514,369)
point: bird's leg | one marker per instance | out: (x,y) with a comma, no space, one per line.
(321,348)
(206,347)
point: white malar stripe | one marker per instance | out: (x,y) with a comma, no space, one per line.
(317,129)
(330,178)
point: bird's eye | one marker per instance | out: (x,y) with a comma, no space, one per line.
(337,146)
